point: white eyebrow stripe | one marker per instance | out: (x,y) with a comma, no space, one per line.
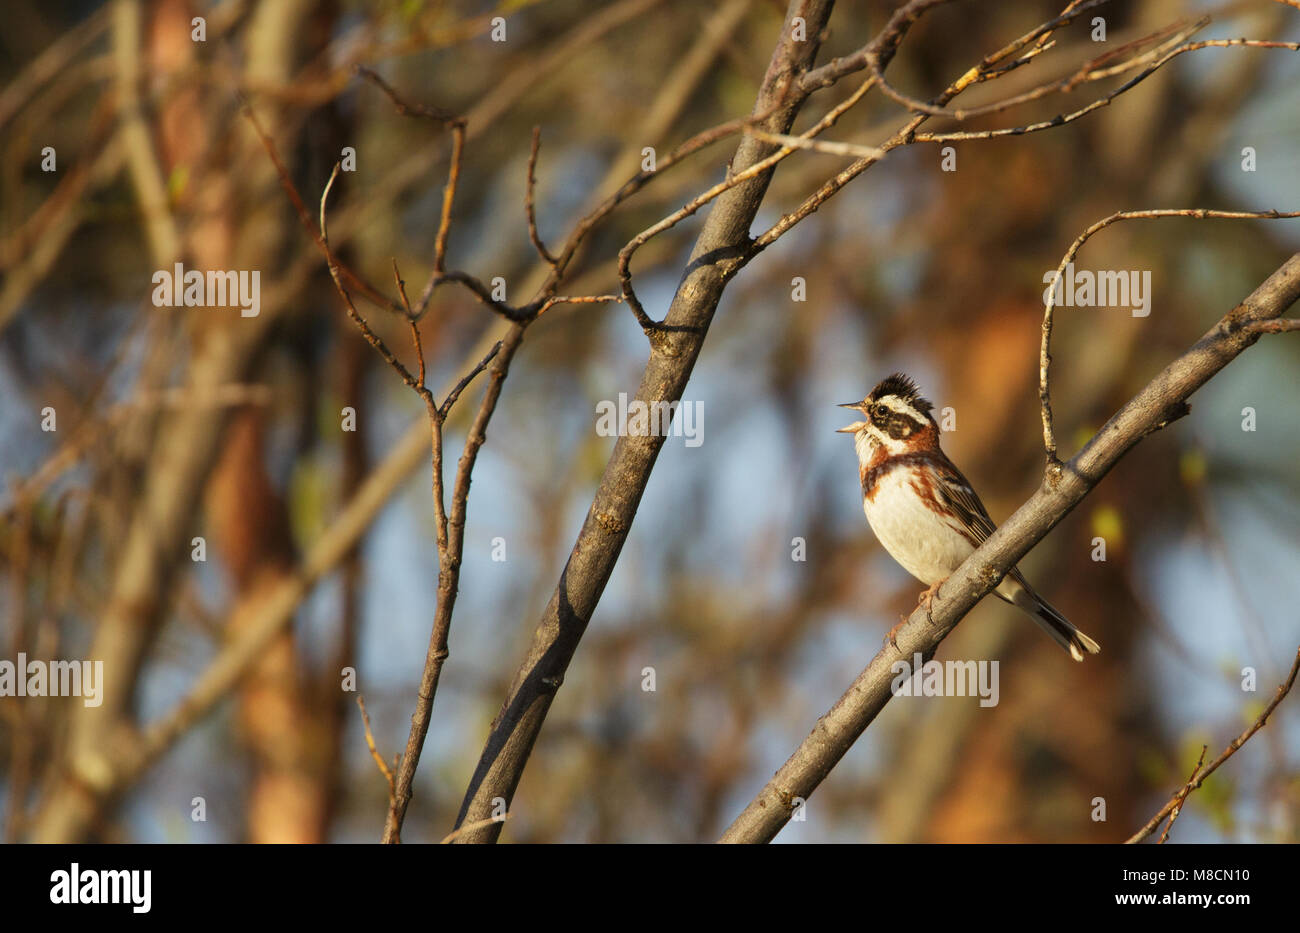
(898,406)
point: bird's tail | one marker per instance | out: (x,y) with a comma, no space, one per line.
(1023,597)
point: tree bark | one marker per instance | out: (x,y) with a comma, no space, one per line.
(674,349)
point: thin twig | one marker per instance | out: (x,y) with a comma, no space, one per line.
(1088,72)
(888,38)
(529,195)
(439,274)
(1105,100)
(411,321)
(985,69)
(370,744)
(1182,795)
(1199,776)
(454,394)
(408,109)
(369,292)
(648,325)
(577,300)
(1275,327)
(450,533)
(816,145)
(371,337)
(1044,353)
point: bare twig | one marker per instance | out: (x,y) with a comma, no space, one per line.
(887,40)
(1276,327)
(439,274)
(985,70)
(450,548)
(408,109)
(448,529)
(816,145)
(880,48)
(1200,774)
(1044,354)
(459,387)
(313,228)
(1089,71)
(1105,100)
(529,194)
(411,321)
(370,744)
(371,337)
(1182,795)
(734,179)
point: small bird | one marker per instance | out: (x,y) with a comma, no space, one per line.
(921,508)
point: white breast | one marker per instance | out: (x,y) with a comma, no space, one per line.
(925,545)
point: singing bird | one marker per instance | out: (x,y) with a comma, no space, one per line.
(921,508)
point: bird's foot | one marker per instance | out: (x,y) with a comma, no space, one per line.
(923,601)
(927,598)
(892,637)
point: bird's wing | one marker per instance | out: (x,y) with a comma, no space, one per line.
(956,493)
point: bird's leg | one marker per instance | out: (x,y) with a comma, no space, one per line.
(892,637)
(923,601)
(927,597)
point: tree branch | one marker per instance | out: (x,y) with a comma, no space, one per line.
(839,728)
(451,542)
(1045,354)
(673,354)
(1200,774)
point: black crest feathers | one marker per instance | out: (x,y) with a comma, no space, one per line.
(904,388)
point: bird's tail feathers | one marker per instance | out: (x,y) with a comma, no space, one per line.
(1053,623)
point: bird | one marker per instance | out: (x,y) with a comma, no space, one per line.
(924,512)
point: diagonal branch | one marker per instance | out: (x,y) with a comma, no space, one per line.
(672,357)
(836,731)
(1198,777)
(1181,796)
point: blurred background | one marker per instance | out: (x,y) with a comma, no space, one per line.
(177,423)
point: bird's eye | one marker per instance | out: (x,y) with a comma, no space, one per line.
(877,412)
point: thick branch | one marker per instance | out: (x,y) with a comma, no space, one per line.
(673,354)
(836,731)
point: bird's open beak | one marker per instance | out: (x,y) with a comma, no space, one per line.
(857,425)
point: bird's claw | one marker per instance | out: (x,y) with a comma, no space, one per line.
(892,637)
(923,601)
(927,598)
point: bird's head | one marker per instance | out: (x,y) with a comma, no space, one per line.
(895,418)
